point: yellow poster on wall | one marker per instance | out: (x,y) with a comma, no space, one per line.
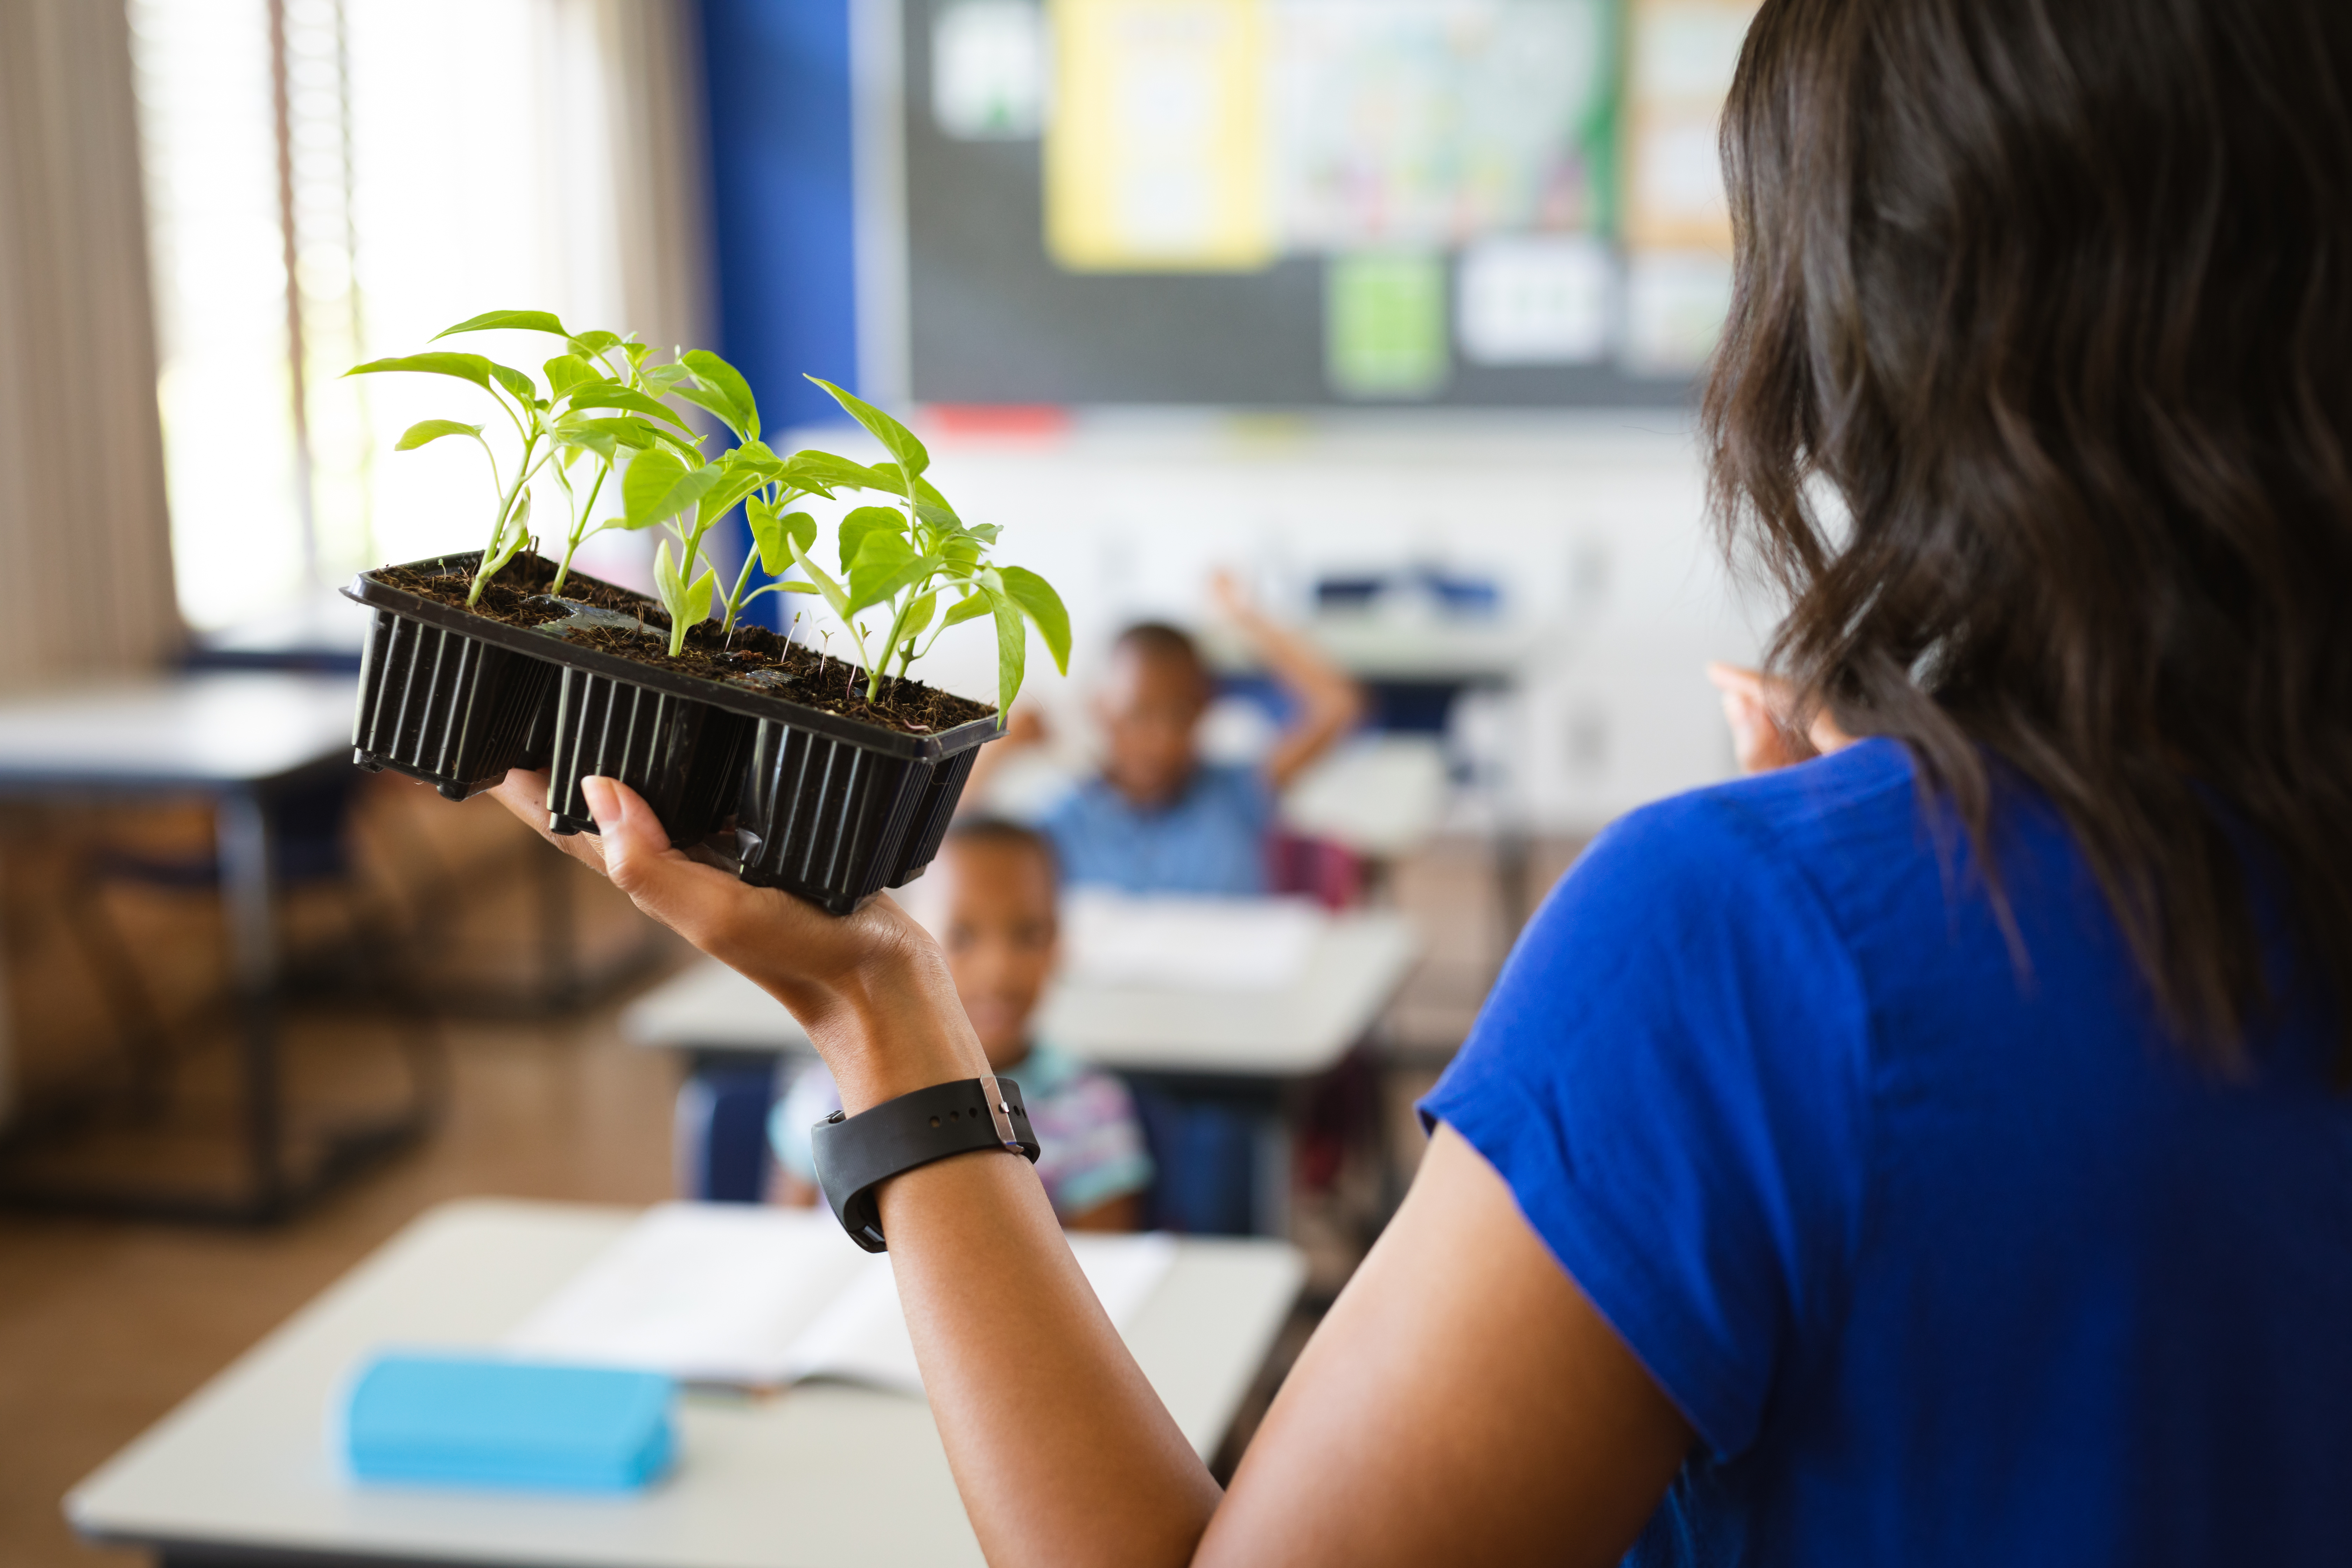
(1677,229)
(1155,154)
(1683,55)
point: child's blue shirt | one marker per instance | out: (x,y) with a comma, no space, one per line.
(1947,1262)
(1212,839)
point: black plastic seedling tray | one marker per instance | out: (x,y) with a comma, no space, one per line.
(834,809)
(440,700)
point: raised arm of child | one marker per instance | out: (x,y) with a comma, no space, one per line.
(1329,704)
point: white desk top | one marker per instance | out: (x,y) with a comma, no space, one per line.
(1379,646)
(324,624)
(1355,967)
(203,731)
(821,1474)
(1379,795)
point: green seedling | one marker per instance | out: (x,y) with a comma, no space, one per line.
(762,483)
(914,562)
(600,398)
(925,569)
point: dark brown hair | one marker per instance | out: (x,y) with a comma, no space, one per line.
(1004,833)
(2034,397)
(1157,640)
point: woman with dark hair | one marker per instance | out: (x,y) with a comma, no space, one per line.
(1935,1153)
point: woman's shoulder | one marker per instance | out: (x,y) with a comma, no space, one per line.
(1828,833)
(1863,788)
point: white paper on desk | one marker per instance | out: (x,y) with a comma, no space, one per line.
(760,1296)
(1117,941)
(707,1292)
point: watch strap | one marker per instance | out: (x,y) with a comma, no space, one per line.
(855,1154)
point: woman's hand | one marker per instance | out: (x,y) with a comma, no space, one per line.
(1761,709)
(871,988)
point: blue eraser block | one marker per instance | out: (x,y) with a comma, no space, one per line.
(454,1420)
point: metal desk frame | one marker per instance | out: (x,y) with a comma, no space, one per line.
(244,835)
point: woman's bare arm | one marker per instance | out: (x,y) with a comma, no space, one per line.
(1462,1402)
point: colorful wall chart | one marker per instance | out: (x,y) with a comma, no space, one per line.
(1482,202)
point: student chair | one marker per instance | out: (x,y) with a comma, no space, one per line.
(720,1131)
(310,850)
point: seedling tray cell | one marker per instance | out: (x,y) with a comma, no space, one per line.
(685,758)
(836,819)
(441,704)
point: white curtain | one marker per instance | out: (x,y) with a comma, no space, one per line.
(660,170)
(84,543)
(647,63)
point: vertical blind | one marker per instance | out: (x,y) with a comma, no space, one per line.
(85,561)
(330,181)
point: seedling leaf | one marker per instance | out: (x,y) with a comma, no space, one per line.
(698,599)
(566,372)
(918,617)
(516,382)
(737,480)
(1012,650)
(1037,599)
(657,486)
(822,472)
(932,505)
(824,585)
(727,412)
(895,438)
(972,606)
(621,398)
(517,320)
(770,532)
(728,381)
(862,523)
(465,367)
(879,574)
(424,430)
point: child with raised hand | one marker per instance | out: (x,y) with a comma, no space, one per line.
(1158,818)
(991,897)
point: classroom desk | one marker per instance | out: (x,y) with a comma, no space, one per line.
(1251,1051)
(1358,962)
(324,634)
(1414,667)
(825,1474)
(240,741)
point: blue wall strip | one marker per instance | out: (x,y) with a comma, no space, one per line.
(777,75)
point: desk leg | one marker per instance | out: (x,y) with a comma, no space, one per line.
(1513,881)
(1270,1173)
(558,942)
(244,834)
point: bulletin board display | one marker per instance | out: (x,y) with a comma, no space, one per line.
(1315,203)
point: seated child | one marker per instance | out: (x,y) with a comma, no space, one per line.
(1158,819)
(994,891)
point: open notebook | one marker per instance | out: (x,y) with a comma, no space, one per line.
(1119,941)
(756,1297)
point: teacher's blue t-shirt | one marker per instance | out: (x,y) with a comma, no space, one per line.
(1948,1260)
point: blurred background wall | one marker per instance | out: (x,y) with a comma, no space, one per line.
(84,552)
(1452,341)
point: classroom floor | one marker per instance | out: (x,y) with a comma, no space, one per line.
(105,1325)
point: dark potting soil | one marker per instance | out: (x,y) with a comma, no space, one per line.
(753,657)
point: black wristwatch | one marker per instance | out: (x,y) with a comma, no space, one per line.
(855,1154)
